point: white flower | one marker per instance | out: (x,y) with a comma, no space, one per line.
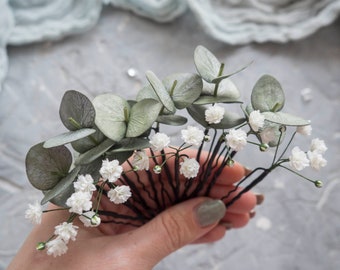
(256,120)
(66,231)
(189,167)
(236,139)
(298,159)
(140,160)
(268,135)
(192,135)
(84,183)
(90,219)
(34,213)
(159,141)
(120,194)
(316,160)
(304,130)
(56,247)
(111,170)
(79,201)
(214,114)
(318,146)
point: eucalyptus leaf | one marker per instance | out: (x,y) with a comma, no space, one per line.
(160,91)
(202,100)
(130,144)
(207,65)
(120,156)
(85,144)
(230,119)
(94,153)
(111,113)
(267,95)
(92,168)
(46,167)
(188,88)
(223,77)
(173,120)
(68,137)
(285,119)
(226,88)
(77,107)
(62,186)
(143,114)
(60,199)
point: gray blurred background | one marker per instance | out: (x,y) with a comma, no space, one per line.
(297,227)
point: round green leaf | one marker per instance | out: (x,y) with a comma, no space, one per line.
(226,89)
(143,114)
(202,100)
(60,199)
(285,119)
(267,95)
(87,143)
(95,152)
(173,120)
(207,65)
(62,186)
(160,91)
(46,167)
(68,137)
(120,156)
(74,105)
(130,144)
(111,115)
(187,90)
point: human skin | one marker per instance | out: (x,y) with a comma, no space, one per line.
(115,246)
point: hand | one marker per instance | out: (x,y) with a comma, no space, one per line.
(116,246)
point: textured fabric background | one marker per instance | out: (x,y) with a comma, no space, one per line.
(298,226)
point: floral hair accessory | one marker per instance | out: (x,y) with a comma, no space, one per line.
(111,142)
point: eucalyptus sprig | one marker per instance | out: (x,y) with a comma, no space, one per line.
(77,168)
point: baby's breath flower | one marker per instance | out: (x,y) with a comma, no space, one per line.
(79,201)
(140,160)
(34,213)
(318,146)
(256,120)
(189,167)
(214,114)
(84,183)
(159,141)
(304,130)
(111,170)
(90,219)
(298,159)
(236,139)
(316,160)
(66,231)
(56,247)
(192,135)
(120,194)
(267,135)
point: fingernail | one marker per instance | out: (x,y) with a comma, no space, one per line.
(227,225)
(209,212)
(247,171)
(252,213)
(259,199)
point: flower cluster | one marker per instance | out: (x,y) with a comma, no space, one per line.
(121,158)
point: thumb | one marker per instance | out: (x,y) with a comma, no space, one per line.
(176,227)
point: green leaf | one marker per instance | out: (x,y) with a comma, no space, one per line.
(207,65)
(95,152)
(60,199)
(267,95)
(46,167)
(143,114)
(111,112)
(62,186)
(92,168)
(285,119)
(202,100)
(173,120)
(120,156)
(130,144)
(187,90)
(226,89)
(85,144)
(221,78)
(68,137)
(74,105)
(230,119)
(160,91)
